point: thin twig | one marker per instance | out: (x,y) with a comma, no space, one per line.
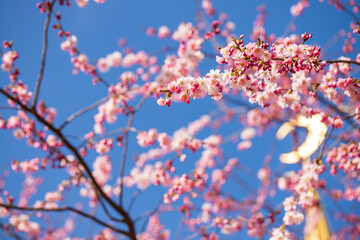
(11,234)
(343,61)
(43,55)
(126,145)
(107,211)
(344,115)
(328,61)
(66,143)
(8,108)
(63,209)
(136,194)
(82,111)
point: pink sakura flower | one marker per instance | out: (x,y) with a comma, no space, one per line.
(288,181)
(248,133)
(244,145)
(150,31)
(82,3)
(106,234)
(163,102)
(100,1)
(8,59)
(198,125)
(147,138)
(102,169)
(26,166)
(128,78)
(13,122)
(280,234)
(53,196)
(185,98)
(256,226)
(164,32)
(164,140)
(307,199)
(21,91)
(155,230)
(114,59)
(183,32)
(52,141)
(19,133)
(289,204)
(81,63)
(69,44)
(104,146)
(143,179)
(22,223)
(102,65)
(293,217)
(4,212)
(263,173)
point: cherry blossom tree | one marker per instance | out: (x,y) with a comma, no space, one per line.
(216,134)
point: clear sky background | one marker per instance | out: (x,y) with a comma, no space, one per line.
(98,29)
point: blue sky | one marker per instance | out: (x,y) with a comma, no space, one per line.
(98,28)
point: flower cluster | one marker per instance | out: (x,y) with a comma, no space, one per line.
(22,223)
(257,70)
(345,158)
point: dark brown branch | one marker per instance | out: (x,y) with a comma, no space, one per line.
(63,209)
(43,55)
(10,233)
(343,115)
(343,61)
(328,61)
(82,111)
(107,211)
(323,144)
(119,209)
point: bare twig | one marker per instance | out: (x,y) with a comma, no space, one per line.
(10,233)
(344,115)
(328,61)
(66,143)
(43,54)
(63,209)
(136,194)
(8,108)
(107,211)
(82,111)
(126,144)
(343,61)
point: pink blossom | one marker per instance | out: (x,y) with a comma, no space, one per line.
(244,145)
(114,59)
(82,3)
(102,169)
(293,217)
(164,32)
(69,44)
(102,65)
(104,146)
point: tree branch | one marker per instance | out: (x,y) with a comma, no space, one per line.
(343,61)
(126,144)
(63,209)
(119,209)
(43,55)
(82,111)
(11,234)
